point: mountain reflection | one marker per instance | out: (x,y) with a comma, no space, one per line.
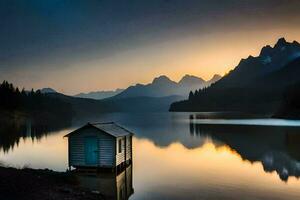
(276,148)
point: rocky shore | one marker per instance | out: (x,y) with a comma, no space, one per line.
(30,184)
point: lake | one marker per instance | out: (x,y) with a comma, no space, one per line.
(176,156)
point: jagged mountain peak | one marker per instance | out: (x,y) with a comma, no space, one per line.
(276,57)
(296,43)
(162,86)
(281,43)
(255,85)
(189,76)
(161,80)
(247,61)
(47,90)
(190,79)
(266,50)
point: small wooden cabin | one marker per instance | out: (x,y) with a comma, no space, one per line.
(100,145)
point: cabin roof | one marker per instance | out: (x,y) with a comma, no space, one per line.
(110,128)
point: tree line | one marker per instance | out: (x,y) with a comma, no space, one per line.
(277,101)
(31,102)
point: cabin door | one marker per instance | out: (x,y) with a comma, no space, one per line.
(91,150)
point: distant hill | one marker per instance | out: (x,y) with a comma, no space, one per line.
(162,87)
(33,104)
(256,85)
(144,104)
(47,90)
(99,94)
(154,97)
(89,107)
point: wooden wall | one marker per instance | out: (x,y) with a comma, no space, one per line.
(106,144)
(120,157)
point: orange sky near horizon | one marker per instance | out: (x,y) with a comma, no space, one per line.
(204,56)
(85,46)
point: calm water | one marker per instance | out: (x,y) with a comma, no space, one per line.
(179,158)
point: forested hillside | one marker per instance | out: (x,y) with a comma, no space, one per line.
(32,103)
(256,85)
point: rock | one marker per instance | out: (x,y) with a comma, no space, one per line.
(95,192)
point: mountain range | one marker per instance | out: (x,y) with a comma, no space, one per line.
(99,94)
(153,97)
(267,84)
(256,85)
(162,86)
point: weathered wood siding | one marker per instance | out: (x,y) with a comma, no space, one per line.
(128,147)
(120,157)
(106,146)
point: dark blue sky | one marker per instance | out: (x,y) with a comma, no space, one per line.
(52,35)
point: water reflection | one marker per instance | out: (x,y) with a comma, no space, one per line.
(277,148)
(206,172)
(12,130)
(112,185)
(175,157)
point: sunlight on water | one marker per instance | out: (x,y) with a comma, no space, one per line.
(50,151)
(258,122)
(178,172)
(176,158)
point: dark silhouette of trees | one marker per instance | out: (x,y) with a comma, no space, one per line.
(258,100)
(10,97)
(32,103)
(254,86)
(263,95)
(191,95)
(290,106)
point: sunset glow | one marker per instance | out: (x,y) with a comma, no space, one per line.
(147,47)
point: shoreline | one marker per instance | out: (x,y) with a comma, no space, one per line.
(37,184)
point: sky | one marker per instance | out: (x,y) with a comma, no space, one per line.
(80,46)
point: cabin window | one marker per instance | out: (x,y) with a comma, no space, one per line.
(120,146)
